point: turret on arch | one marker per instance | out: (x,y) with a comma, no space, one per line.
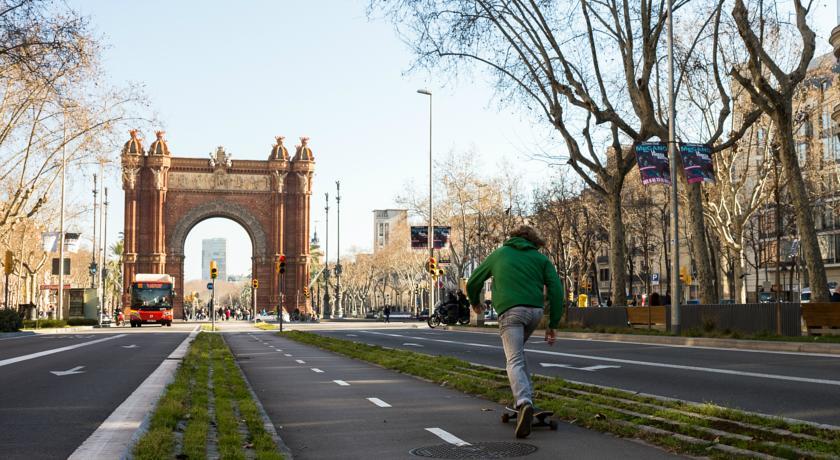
(166,196)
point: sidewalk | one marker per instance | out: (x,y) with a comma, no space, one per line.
(736,344)
(369,412)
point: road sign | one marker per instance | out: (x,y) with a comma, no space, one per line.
(210,286)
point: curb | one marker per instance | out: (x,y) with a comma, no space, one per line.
(734,344)
(62,330)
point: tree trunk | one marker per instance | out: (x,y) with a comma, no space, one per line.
(740,294)
(702,262)
(617,257)
(802,208)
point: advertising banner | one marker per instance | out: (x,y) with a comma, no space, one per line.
(49,242)
(652,158)
(420,237)
(697,163)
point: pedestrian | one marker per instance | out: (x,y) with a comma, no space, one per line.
(521,275)
(654,300)
(387,314)
(463,305)
(609,302)
(666,299)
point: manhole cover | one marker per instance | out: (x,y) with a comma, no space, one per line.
(477,450)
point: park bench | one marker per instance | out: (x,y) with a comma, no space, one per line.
(821,318)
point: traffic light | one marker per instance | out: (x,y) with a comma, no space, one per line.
(685,276)
(306,292)
(9,262)
(440,272)
(281,264)
(431,265)
(214,270)
(255,283)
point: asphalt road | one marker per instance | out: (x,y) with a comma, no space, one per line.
(326,406)
(796,385)
(47,416)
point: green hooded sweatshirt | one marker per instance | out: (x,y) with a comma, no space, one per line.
(519,273)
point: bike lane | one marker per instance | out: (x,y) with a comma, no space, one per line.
(365,411)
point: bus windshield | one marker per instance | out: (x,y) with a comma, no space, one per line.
(154,298)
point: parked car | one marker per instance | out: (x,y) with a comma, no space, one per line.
(371,314)
(769,297)
(490,315)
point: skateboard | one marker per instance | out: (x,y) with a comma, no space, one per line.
(541,418)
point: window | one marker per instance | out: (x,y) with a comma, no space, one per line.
(802,152)
(604,274)
(825,122)
(761,135)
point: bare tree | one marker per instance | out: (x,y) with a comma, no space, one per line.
(772,89)
(588,68)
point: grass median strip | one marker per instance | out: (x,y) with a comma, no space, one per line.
(703,430)
(180,425)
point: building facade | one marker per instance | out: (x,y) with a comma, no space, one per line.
(384,223)
(214,249)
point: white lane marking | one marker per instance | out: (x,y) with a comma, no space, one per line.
(710,370)
(278,349)
(589,368)
(287,355)
(696,347)
(342,383)
(18,359)
(130,346)
(75,370)
(448,437)
(317,371)
(114,436)
(352,335)
(379,402)
(300,361)
(409,344)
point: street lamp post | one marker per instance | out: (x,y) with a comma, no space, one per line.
(60,312)
(672,155)
(104,251)
(327,309)
(431,234)
(339,308)
(95,248)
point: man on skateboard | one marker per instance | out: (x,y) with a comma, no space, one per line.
(520,274)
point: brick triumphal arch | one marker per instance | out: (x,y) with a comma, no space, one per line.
(166,196)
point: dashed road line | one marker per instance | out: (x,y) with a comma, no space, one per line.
(287,355)
(300,361)
(379,402)
(317,371)
(448,437)
(341,383)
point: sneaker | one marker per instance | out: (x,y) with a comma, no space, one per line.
(524,420)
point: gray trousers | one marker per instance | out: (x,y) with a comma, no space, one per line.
(515,327)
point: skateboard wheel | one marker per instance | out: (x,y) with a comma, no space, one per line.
(553,425)
(505,418)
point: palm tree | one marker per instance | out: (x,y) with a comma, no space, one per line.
(114,280)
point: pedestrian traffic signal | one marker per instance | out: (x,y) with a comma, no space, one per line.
(255,283)
(431,265)
(281,264)
(214,270)
(306,292)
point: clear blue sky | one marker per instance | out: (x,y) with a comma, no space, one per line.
(238,73)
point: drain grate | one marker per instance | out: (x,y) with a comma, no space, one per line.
(477,450)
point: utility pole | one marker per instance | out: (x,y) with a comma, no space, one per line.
(339,309)
(327,310)
(95,247)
